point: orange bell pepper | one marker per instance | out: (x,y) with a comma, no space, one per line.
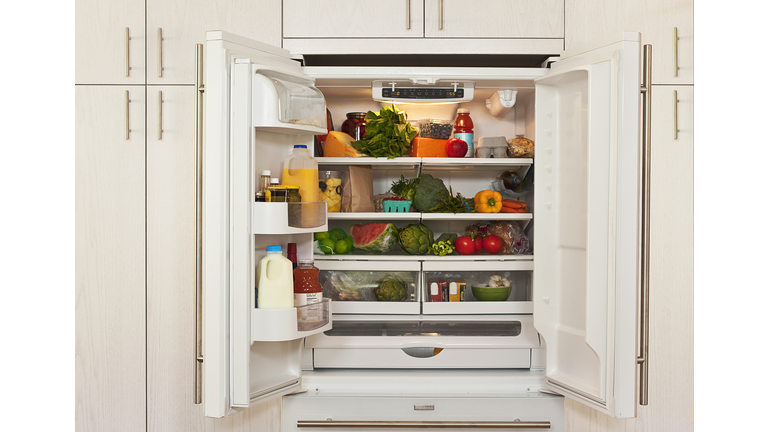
(488,201)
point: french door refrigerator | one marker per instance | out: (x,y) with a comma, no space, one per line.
(571,329)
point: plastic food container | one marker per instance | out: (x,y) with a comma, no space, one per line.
(491,147)
(331,185)
(435,128)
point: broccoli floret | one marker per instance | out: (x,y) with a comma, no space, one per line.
(429,192)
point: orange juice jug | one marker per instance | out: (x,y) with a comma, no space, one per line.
(300,169)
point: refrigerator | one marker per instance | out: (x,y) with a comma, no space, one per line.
(574,326)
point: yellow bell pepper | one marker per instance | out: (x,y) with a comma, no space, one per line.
(488,201)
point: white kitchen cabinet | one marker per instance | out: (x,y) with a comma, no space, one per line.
(656,21)
(493,19)
(358,19)
(110,338)
(109,42)
(171,258)
(182,23)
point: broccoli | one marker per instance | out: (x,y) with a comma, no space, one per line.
(429,193)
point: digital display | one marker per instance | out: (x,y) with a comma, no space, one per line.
(422,93)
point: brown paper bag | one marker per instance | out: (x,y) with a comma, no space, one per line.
(357,195)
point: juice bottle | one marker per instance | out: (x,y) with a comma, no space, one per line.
(300,169)
(307,290)
(274,280)
(463,129)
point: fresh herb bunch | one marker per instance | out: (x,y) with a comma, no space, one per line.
(454,204)
(405,188)
(387,133)
(441,248)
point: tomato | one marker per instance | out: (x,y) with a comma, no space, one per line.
(492,244)
(478,244)
(465,245)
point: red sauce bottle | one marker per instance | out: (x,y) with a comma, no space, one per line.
(307,290)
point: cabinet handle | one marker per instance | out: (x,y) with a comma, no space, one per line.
(645,226)
(160,115)
(199,223)
(127,56)
(674,52)
(407,14)
(127,116)
(160,52)
(674,114)
(424,424)
(440,17)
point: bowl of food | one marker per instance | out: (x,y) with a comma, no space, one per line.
(498,289)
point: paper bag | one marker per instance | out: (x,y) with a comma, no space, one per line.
(357,195)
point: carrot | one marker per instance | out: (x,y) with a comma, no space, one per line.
(511,210)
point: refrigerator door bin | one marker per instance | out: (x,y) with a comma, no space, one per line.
(271,325)
(287,104)
(289,218)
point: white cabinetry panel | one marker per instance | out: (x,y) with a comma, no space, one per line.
(494,19)
(357,19)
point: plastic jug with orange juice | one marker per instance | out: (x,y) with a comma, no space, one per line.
(300,169)
(274,280)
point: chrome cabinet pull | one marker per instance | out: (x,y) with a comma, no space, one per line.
(423,424)
(199,224)
(127,56)
(160,52)
(160,115)
(440,17)
(674,114)
(127,115)
(407,14)
(674,52)
(645,227)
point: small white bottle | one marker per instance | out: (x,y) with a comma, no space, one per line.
(274,280)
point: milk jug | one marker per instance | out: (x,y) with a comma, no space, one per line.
(274,280)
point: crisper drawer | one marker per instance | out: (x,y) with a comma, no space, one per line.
(381,287)
(360,413)
(422,358)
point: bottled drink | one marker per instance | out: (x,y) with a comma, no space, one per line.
(463,129)
(292,255)
(264,181)
(307,290)
(300,169)
(273,280)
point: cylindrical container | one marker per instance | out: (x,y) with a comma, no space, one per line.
(463,129)
(274,281)
(354,125)
(261,197)
(307,290)
(292,255)
(264,180)
(330,189)
(277,193)
(274,181)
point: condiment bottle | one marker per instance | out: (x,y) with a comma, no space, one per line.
(463,129)
(264,180)
(292,255)
(274,282)
(306,291)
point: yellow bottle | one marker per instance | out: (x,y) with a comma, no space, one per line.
(300,169)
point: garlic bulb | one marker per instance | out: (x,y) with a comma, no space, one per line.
(498,281)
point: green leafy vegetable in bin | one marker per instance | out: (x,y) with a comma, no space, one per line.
(429,193)
(405,188)
(387,133)
(391,288)
(454,204)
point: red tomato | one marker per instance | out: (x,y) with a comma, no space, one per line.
(478,244)
(465,245)
(492,244)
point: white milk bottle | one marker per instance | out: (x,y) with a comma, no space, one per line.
(274,280)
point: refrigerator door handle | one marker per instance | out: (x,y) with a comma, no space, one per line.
(199,223)
(517,424)
(645,226)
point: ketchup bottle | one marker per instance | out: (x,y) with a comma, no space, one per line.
(463,129)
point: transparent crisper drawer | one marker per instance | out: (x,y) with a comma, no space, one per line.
(375,288)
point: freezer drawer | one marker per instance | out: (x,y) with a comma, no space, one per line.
(525,413)
(422,358)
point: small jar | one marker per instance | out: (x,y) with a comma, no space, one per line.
(354,125)
(331,189)
(293,194)
(277,194)
(261,197)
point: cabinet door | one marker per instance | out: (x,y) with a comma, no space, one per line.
(171,257)
(656,21)
(358,19)
(110,355)
(494,19)
(109,42)
(183,23)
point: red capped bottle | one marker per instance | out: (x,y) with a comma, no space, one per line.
(463,129)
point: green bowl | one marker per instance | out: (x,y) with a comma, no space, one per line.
(484,293)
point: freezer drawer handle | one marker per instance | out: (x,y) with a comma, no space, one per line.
(199,223)
(423,424)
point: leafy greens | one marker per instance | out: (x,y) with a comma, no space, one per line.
(387,133)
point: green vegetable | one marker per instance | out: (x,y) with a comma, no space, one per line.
(416,239)
(387,133)
(391,288)
(441,248)
(429,193)
(405,188)
(453,204)
(337,234)
(448,237)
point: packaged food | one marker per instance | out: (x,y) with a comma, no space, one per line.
(428,147)
(434,128)
(520,147)
(354,125)
(491,147)
(331,186)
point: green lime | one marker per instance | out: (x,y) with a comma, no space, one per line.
(327,246)
(322,235)
(351,243)
(342,247)
(337,234)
